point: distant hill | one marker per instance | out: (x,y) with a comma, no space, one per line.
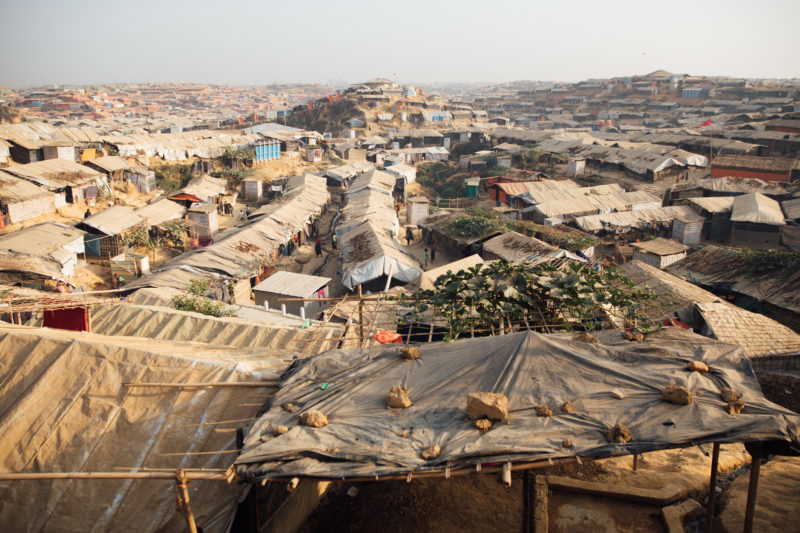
(327,116)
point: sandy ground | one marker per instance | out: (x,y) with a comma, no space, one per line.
(776,501)
(285,166)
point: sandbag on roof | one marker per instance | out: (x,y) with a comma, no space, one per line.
(64,408)
(364,438)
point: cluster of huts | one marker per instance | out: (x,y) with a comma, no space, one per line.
(368,230)
(739,211)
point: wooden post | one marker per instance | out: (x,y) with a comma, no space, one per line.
(712,488)
(183,499)
(635,462)
(752,492)
(527,522)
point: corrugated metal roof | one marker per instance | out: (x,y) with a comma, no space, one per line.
(755,207)
(292,284)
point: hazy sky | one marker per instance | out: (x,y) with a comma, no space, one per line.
(261,42)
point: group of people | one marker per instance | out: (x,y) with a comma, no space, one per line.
(430,248)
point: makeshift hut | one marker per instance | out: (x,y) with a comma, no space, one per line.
(729,273)
(252,190)
(441,436)
(371,258)
(107,229)
(758,335)
(142,178)
(75,404)
(417,208)
(200,190)
(429,277)
(291,285)
(111,165)
(756,221)
(517,248)
(22,200)
(201,221)
(716,210)
(658,252)
(72,182)
(50,240)
(160,211)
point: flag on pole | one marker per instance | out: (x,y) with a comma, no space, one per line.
(706,123)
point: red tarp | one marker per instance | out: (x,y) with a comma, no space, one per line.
(75,319)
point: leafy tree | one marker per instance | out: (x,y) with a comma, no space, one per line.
(197,301)
(502,296)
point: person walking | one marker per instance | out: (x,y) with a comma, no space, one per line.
(433,250)
(426,257)
(333,240)
(318,246)
(409,236)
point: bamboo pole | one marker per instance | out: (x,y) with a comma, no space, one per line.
(360,318)
(712,488)
(183,499)
(752,493)
(271,383)
(204,476)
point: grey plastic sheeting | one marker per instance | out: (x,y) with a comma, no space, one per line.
(365,438)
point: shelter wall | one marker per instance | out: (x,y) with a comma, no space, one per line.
(717,172)
(759,236)
(27,209)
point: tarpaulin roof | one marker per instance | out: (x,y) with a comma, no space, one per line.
(376,180)
(64,408)
(429,277)
(238,250)
(372,205)
(203,188)
(755,207)
(627,220)
(714,204)
(367,253)
(57,173)
(14,189)
(113,220)
(364,438)
(167,324)
(602,203)
(160,211)
(518,248)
